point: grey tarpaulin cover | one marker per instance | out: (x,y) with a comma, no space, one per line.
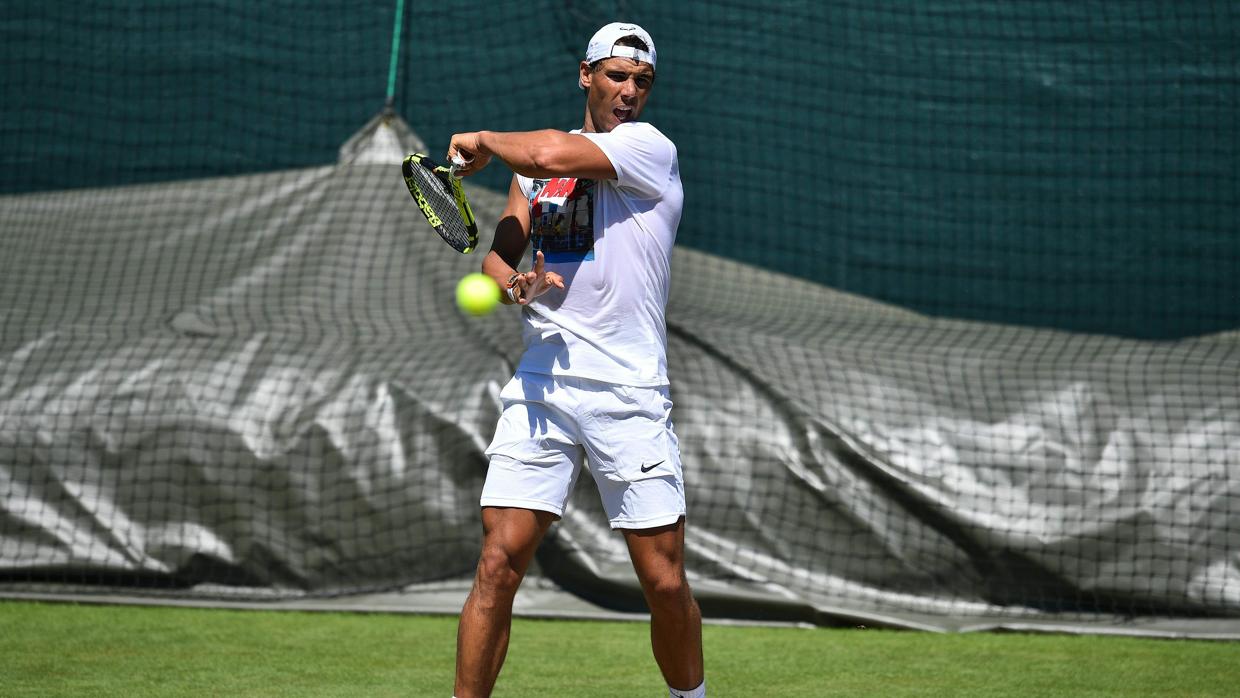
(260,385)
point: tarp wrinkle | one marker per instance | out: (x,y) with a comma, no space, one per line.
(276,392)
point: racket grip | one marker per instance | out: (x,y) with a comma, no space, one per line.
(457,162)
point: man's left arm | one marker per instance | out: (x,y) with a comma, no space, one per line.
(537,154)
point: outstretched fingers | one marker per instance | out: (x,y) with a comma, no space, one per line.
(536,282)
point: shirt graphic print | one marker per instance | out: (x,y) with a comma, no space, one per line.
(562,219)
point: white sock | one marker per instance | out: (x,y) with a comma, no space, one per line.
(699,692)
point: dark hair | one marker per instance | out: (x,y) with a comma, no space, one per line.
(630,41)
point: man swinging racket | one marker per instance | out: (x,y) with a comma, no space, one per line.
(601,206)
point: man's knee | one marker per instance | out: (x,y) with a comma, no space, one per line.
(667,589)
(498,574)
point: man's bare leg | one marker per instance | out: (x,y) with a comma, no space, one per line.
(675,621)
(510,537)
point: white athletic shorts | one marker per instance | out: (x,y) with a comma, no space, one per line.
(550,425)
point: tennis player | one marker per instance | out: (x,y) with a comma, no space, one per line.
(600,206)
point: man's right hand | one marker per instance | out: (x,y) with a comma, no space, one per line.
(533,284)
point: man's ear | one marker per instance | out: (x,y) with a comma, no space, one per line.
(583,75)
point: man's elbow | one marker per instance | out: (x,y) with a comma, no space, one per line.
(559,155)
(545,161)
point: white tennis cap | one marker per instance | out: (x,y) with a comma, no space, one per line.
(603,44)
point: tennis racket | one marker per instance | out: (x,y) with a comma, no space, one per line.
(440,196)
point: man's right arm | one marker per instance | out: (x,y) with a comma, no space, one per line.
(512,236)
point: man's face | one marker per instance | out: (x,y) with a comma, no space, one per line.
(616,92)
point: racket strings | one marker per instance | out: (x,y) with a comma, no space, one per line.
(451,224)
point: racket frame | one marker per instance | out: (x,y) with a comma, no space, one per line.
(452,185)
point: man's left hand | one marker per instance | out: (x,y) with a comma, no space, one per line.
(468,147)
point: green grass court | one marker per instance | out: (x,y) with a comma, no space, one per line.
(86,650)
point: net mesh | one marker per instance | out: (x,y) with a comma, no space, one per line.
(967,351)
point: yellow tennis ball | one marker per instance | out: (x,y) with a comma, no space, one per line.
(477,294)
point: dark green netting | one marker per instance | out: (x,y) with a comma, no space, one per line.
(1054,163)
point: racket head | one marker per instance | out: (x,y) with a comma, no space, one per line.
(441,198)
